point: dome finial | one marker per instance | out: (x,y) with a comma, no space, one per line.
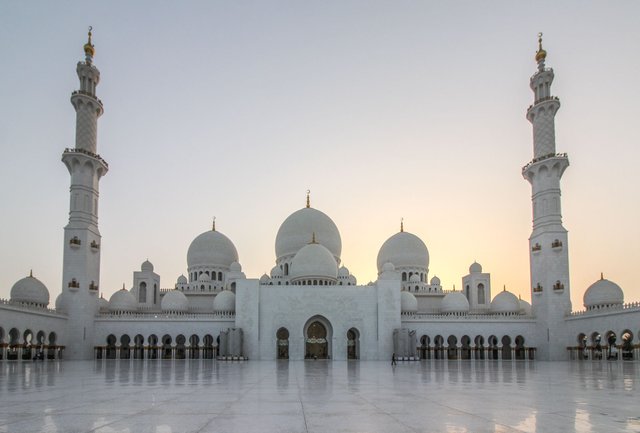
(313,238)
(541,54)
(89,49)
(401,224)
(601,275)
(123,286)
(31,273)
(213,225)
(308,198)
(504,288)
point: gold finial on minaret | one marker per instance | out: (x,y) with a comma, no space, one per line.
(213,226)
(401,224)
(541,54)
(89,49)
(308,198)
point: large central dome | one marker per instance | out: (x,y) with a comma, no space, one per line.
(296,231)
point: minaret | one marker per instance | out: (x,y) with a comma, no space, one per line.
(82,241)
(548,244)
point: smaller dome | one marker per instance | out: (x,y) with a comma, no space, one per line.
(146,266)
(408,302)
(388,267)
(174,301)
(352,280)
(30,290)
(525,307)
(264,279)
(343,272)
(505,303)
(404,250)
(454,302)
(122,301)
(62,302)
(435,281)
(314,260)
(603,293)
(235,267)
(204,278)
(225,302)
(415,278)
(475,268)
(103,304)
(181,280)
(276,272)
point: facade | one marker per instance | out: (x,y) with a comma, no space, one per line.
(310,306)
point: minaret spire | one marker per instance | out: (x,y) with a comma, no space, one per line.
(308,198)
(89,49)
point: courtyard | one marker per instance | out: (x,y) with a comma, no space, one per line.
(318,396)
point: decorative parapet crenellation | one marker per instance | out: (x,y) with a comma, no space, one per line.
(629,306)
(32,307)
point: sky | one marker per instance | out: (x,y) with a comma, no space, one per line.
(384,110)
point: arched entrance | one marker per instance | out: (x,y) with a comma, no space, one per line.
(282,337)
(353,344)
(317,338)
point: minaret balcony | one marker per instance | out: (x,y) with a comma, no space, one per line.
(95,247)
(543,158)
(75,243)
(536,248)
(558,287)
(71,151)
(93,286)
(73,284)
(85,93)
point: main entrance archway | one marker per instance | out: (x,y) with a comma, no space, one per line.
(317,338)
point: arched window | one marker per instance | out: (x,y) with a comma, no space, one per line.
(155,293)
(481,293)
(286,268)
(219,276)
(404,276)
(142,292)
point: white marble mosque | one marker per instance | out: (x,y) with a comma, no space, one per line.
(310,306)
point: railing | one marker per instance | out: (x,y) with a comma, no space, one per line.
(465,316)
(86,152)
(627,306)
(542,158)
(543,99)
(28,306)
(85,93)
(161,315)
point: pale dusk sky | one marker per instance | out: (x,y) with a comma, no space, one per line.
(385,110)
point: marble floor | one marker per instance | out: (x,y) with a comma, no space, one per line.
(319,396)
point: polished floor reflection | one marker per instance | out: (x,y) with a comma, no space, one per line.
(318,396)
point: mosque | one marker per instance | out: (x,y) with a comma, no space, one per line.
(310,306)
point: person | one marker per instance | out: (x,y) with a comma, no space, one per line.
(393,359)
